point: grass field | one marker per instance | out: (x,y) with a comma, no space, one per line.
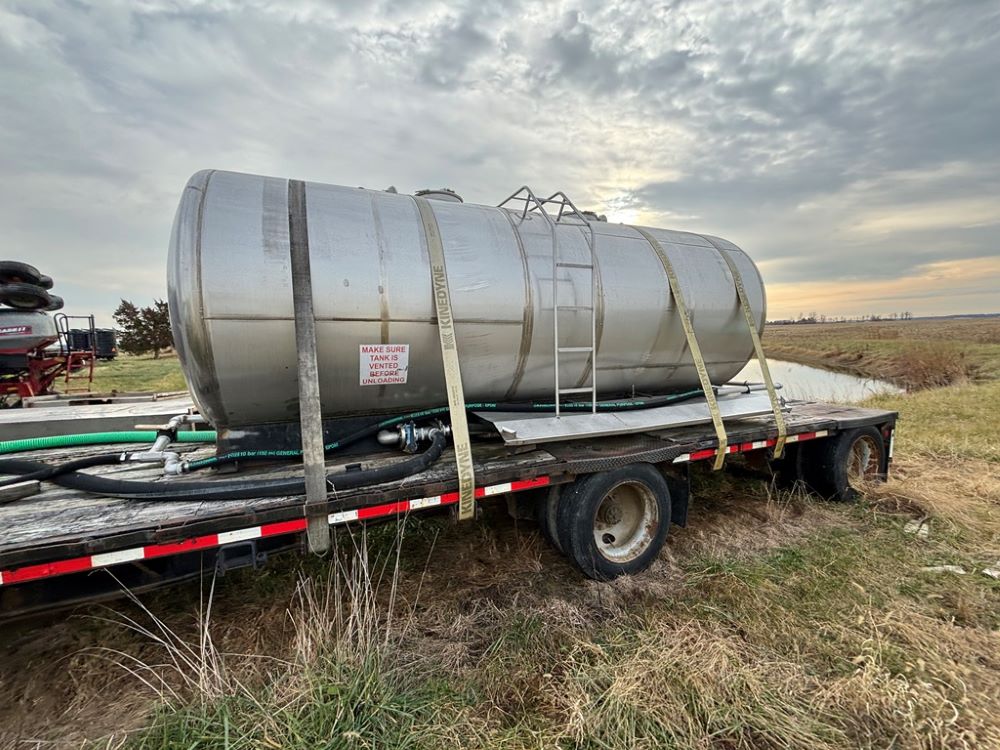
(139,374)
(772,621)
(914,354)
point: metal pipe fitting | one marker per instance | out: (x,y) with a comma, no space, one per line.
(746,387)
(408,436)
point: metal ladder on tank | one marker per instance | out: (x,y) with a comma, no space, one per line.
(567,214)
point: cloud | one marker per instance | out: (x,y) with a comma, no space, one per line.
(838,143)
(457,44)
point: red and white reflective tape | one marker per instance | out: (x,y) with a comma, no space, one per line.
(208,541)
(745,447)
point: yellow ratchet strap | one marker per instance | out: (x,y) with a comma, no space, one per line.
(699,361)
(765,371)
(449,356)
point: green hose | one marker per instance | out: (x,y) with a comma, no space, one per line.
(100,438)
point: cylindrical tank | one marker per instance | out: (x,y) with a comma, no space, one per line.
(230,292)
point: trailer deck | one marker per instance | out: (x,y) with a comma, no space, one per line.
(64,534)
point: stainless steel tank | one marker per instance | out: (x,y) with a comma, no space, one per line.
(230,294)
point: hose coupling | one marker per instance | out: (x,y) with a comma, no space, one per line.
(166,433)
(408,436)
(174,466)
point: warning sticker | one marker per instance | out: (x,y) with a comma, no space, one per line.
(384,364)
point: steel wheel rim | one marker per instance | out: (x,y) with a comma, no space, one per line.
(863,462)
(626,522)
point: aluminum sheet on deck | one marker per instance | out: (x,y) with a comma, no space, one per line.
(530,429)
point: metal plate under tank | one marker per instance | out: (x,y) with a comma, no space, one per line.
(531,429)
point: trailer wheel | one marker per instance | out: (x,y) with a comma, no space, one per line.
(839,468)
(614,523)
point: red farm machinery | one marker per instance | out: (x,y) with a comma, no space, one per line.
(38,350)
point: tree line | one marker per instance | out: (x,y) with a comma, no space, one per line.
(143,329)
(820,318)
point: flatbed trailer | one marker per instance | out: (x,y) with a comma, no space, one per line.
(63,546)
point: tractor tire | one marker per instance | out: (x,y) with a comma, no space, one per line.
(22,296)
(15,272)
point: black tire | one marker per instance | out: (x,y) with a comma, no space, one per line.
(839,467)
(15,272)
(24,296)
(628,509)
(56,303)
(787,470)
(45,282)
(545,515)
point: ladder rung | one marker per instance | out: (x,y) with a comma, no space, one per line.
(575,307)
(575,390)
(576,348)
(562,264)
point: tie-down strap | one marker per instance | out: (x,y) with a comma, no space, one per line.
(765,371)
(449,357)
(692,340)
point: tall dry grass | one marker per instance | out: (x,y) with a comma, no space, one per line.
(342,681)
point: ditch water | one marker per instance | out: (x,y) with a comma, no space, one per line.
(815,383)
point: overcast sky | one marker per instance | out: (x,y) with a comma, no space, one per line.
(853,149)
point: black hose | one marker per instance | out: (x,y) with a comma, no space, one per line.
(67,476)
(228,490)
(628,404)
(39,472)
(511,406)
